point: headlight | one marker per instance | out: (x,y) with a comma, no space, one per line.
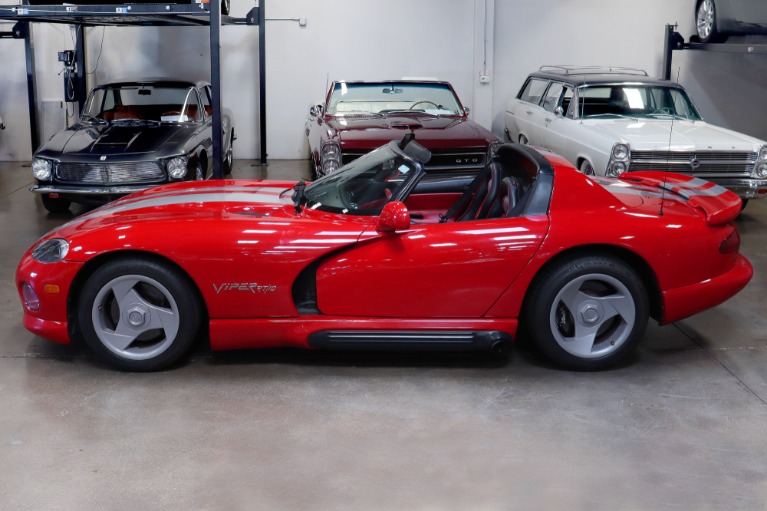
(493,148)
(330,156)
(616,169)
(177,167)
(763,153)
(331,151)
(620,151)
(51,251)
(761,170)
(41,169)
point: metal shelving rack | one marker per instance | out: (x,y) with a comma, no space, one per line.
(137,15)
(675,41)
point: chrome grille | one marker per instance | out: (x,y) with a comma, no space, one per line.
(705,164)
(110,173)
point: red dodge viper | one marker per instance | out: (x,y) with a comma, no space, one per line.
(379,255)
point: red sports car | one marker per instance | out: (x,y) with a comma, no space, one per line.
(358,117)
(373,257)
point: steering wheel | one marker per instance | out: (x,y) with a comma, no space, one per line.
(424,101)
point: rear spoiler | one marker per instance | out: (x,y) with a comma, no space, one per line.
(717,204)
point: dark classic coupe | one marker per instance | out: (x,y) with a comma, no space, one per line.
(358,117)
(131,136)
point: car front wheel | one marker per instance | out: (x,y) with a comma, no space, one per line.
(588,312)
(587,168)
(705,22)
(138,314)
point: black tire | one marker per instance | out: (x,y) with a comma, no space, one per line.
(597,298)
(587,168)
(225,6)
(743,204)
(706,24)
(138,315)
(55,205)
(227,164)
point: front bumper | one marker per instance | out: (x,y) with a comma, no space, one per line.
(743,187)
(90,190)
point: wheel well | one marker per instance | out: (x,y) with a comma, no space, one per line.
(637,263)
(91,266)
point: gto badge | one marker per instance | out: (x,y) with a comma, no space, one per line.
(103,157)
(253,287)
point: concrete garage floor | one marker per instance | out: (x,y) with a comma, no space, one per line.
(682,426)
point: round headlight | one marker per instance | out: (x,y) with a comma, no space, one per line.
(331,151)
(620,152)
(763,153)
(761,170)
(51,251)
(616,169)
(41,169)
(329,166)
(177,167)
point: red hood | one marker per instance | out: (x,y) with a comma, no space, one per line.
(367,133)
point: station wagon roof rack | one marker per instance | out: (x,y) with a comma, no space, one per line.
(595,70)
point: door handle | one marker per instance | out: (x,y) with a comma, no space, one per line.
(529,112)
(547,120)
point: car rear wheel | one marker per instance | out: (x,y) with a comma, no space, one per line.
(587,168)
(588,312)
(705,22)
(138,315)
(55,205)
(225,6)
(523,140)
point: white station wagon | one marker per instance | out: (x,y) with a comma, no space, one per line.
(607,121)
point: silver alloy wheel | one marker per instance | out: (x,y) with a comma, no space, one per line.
(592,316)
(705,19)
(198,175)
(523,140)
(135,317)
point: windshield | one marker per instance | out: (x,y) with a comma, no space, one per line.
(143,102)
(387,97)
(365,185)
(633,100)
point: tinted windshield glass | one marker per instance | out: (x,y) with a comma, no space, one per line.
(385,97)
(146,102)
(635,101)
(364,186)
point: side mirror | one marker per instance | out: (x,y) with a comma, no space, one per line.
(466,110)
(559,111)
(315,111)
(394,217)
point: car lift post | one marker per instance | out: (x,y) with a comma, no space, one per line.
(215,82)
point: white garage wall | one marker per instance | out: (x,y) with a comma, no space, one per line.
(362,39)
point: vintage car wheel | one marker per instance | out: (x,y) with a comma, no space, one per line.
(138,314)
(588,312)
(225,6)
(523,140)
(55,205)
(705,22)
(587,168)
(228,157)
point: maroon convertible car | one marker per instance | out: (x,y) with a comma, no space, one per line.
(358,117)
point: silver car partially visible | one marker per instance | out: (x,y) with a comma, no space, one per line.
(716,19)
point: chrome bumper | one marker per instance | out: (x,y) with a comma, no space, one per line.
(744,188)
(90,190)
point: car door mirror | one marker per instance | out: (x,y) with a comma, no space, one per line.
(559,111)
(315,111)
(394,217)
(466,110)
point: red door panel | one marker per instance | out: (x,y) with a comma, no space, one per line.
(435,270)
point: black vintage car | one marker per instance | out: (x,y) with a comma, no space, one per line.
(131,136)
